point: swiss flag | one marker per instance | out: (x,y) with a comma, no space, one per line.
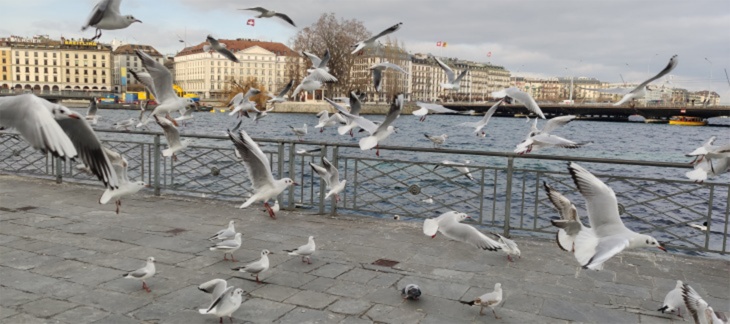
(251,22)
(438,44)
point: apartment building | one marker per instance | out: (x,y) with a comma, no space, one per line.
(125,59)
(5,68)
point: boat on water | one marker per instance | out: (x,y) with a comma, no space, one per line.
(655,121)
(687,121)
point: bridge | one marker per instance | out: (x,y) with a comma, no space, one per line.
(56,96)
(600,111)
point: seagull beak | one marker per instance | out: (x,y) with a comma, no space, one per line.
(74,116)
(271,252)
(148,186)
(295,184)
(662,248)
(137,20)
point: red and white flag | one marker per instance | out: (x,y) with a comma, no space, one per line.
(438,44)
(489,54)
(251,22)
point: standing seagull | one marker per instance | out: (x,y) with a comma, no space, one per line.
(370,42)
(378,133)
(105,15)
(228,246)
(490,300)
(172,134)
(257,267)
(143,273)
(91,111)
(453,81)
(640,90)
(331,176)
(522,97)
(167,99)
(226,304)
(299,132)
(608,235)
(126,187)
(305,250)
(259,172)
(437,140)
(569,222)
(214,45)
(448,225)
(509,247)
(265,13)
(484,121)
(225,234)
(378,73)
(673,301)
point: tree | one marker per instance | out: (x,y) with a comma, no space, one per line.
(338,36)
(233,87)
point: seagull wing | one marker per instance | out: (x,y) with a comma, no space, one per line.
(430,226)
(393,113)
(695,304)
(364,123)
(449,72)
(227,54)
(485,120)
(334,174)
(286,89)
(285,18)
(461,76)
(256,162)
(557,141)
(670,66)
(355,104)
(34,122)
(314,58)
(145,79)
(565,208)
(139,273)
(389,65)
(377,79)
(557,122)
(172,134)
(607,247)
(220,298)
(525,99)
(436,108)
(325,59)
(97,13)
(161,77)
(469,234)
(321,75)
(322,173)
(390,30)
(601,201)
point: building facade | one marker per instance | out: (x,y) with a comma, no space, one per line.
(210,75)
(125,59)
(42,64)
(5,67)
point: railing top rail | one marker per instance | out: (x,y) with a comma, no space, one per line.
(431,150)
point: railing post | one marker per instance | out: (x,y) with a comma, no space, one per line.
(59,170)
(335,162)
(709,217)
(280,167)
(508,195)
(322,186)
(292,152)
(156,154)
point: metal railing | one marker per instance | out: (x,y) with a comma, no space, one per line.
(506,194)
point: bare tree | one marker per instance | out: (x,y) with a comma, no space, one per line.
(338,36)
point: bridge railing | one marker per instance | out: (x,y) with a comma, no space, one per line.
(503,192)
(57,93)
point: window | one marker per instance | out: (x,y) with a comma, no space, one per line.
(55,79)
(27,69)
(76,56)
(77,80)
(94,56)
(86,80)
(27,78)
(26,55)
(103,80)
(45,70)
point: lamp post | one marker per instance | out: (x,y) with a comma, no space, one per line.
(709,81)
(570,95)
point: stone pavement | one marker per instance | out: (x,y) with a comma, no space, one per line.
(62,256)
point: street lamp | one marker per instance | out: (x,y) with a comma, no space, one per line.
(709,86)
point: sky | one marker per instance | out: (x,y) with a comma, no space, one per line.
(611,40)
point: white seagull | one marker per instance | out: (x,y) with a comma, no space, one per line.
(607,235)
(224,234)
(226,304)
(522,97)
(378,73)
(305,250)
(126,187)
(699,227)
(437,140)
(325,120)
(484,121)
(91,111)
(331,176)
(319,70)
(242,102)
(281,97)
(56,129)
(509,247)
(449,225)
(453,81)
(355,106)
(430,107)
(228,246)
(318,62)
(309,83)
(259,172)
(265,13)
(143,273)
(491,300)
(215,45)
(461,167)
(673,301)
(709,167)
(299,132)
(257,267)
(126,124)
(378,133)
(708,149)
(640,90)
(538,139)
(701,312)
(569,223)
(370,42)
(167,99)
(106,16)
(172,134)
(214,287)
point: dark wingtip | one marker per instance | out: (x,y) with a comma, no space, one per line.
(470,303)
(662,309)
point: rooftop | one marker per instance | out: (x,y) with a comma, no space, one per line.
(128,49)
(241,44)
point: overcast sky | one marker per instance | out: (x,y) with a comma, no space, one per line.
(606,39)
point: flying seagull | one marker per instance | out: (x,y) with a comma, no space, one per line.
(370,42)
(522,97)
(537,138)
(431,107)
(453,81)
(640,90)
(331,176)
(213,44)
(484,121)
(281,97)
(378,133)
(569,223)
(167,99)
(378,73)
(172,134)
(265,13)
(106,16)
(449,225)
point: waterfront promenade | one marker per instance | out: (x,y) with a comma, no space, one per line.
(62,256)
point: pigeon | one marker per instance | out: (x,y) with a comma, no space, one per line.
(370,42)
(143,273)
(411,291)
(490,300)
(106,16)
(226,304)
(673,301)
(224,234)
(437,140)
(257,267)
(508,246)
(265,13)
(569,223)
(228,246)
(305,250)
